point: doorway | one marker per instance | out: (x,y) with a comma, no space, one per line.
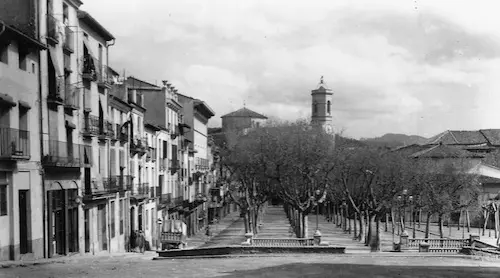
(87,231)
(24,222)
(103,239)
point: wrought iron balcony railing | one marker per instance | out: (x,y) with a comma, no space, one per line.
(14,144)
(63,154)
(140,190)
(72,97)
(90,125)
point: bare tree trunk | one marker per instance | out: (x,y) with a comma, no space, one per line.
(245,220)
(419,217)
(355,226)
(361,227)
(386,229)
(369,235)
(468,220)
(427,224)
(440,223)
(486,218)
(375,239)
(301,224)
(306,226)
(393,224)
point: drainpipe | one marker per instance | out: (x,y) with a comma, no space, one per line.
(40,114)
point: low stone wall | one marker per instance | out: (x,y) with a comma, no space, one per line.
(238,250)
(474,251)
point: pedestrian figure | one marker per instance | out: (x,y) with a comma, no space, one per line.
(207,231)
(140,242)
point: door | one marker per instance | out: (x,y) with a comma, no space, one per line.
(69,144)
(87,231)
(140,218)
(24,222)
(59,221)
(103,239)
(86,177)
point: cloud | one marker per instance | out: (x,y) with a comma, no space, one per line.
(394,66)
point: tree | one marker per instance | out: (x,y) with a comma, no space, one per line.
(248,187)
(297,160)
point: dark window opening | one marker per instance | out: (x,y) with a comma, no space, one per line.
(23,57)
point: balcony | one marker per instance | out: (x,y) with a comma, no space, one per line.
(110,132)
(139,191)
(14,144)
(174,165)
(90,125)
(177,201)
(89,69)
(69,40)
(103,187)
(63,154)
(138,145)
(151,154)
(122,134)
(56,87)
(87,101)
(52,29)
(166,199)
(163,164)
(103,79)
(72,97)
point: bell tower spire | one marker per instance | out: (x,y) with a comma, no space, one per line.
(322,98)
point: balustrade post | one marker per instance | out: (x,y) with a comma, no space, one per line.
(403,239)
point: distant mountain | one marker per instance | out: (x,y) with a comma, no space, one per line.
(393,140)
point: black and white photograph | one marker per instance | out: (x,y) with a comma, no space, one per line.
(249,138)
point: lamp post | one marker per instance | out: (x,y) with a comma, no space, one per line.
(404,199)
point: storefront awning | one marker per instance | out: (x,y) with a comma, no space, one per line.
(61,184)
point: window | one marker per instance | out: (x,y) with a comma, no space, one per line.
(328,107)
(65,14)
(4,52)
(23,118)
(315,108)
(3,193)
(23,57)
(122,209)
(113,218)
(147,220)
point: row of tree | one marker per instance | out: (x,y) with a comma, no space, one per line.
(301,165)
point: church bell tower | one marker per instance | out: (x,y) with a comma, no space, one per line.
(322,107)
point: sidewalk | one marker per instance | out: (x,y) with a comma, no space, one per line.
(200,239)
(148,255)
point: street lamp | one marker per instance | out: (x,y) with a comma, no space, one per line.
(317,200)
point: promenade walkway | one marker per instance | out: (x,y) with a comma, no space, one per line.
(225,232)
(275,224)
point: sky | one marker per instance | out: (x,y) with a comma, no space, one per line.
(398,66)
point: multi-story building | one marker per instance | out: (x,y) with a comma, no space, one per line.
(119,115)
(63,155)
(151,174)
(21,195)
(104,194)
(196,114)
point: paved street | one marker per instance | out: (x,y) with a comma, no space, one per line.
(269,266)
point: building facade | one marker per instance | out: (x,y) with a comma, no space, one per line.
(21,193)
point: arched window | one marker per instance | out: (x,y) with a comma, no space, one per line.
(328,107)
(315,108)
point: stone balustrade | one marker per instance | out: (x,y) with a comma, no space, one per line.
(414,243)
(282,242)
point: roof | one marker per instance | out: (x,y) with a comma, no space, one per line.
(410,149)
(95,25)
(245,113)
(492,135)
(135,83)
(322,87)
(207,111)
(458,137)
(445,151)
(11,30)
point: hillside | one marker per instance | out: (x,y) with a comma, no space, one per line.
(393,140)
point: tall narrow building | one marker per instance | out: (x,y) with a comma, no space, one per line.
(322,98)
